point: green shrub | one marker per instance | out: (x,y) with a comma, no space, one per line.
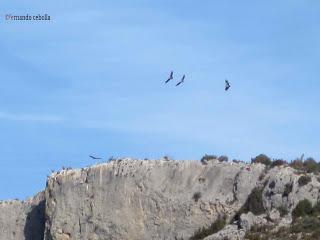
(297,164)
(213,228)
(254,202)
(302,209)
(283,211)
(259,232)
(207,158)
(304,180)
(306,224)
(223,158)
(316,210)
(264,159)
(284,233)
(311,166)
(278,162)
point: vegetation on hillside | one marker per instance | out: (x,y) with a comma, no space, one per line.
(305,225)
(207,231)
(309,165)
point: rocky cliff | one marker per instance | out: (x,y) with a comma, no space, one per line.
(137,199)
(23,219)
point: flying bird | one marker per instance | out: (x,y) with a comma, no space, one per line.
(181,81)
(93,157)
(227,85)
(170,77)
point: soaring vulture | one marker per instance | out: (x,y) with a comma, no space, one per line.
(170,77)
(227,85)
(181,81)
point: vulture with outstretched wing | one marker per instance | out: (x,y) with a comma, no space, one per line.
(181,81)
(170,77)
(227,85)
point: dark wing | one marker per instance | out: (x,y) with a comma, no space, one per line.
(94,157)
(181,81)
(227,85)
(170,77)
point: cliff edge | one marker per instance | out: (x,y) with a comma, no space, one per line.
(159,199)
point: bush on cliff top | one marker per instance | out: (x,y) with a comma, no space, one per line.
(278,162)
(309,165)
(223,158)
(262,158)
(207,157)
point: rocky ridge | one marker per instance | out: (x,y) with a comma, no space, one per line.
(159,199)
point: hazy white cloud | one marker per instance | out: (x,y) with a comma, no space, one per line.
(30,117)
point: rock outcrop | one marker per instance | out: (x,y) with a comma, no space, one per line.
(129,199)
(23,220)
(137,199)
(230,232)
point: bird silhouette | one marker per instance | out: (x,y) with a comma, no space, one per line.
(227,85)
(93,157)
(181,81)
(170,77)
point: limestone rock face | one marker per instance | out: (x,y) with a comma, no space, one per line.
(282,190)
(249,220)
(229,232)
(164,199)
(134,199)
(22,220)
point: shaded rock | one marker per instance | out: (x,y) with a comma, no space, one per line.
(23,220)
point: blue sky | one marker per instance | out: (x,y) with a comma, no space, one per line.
(91,81)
